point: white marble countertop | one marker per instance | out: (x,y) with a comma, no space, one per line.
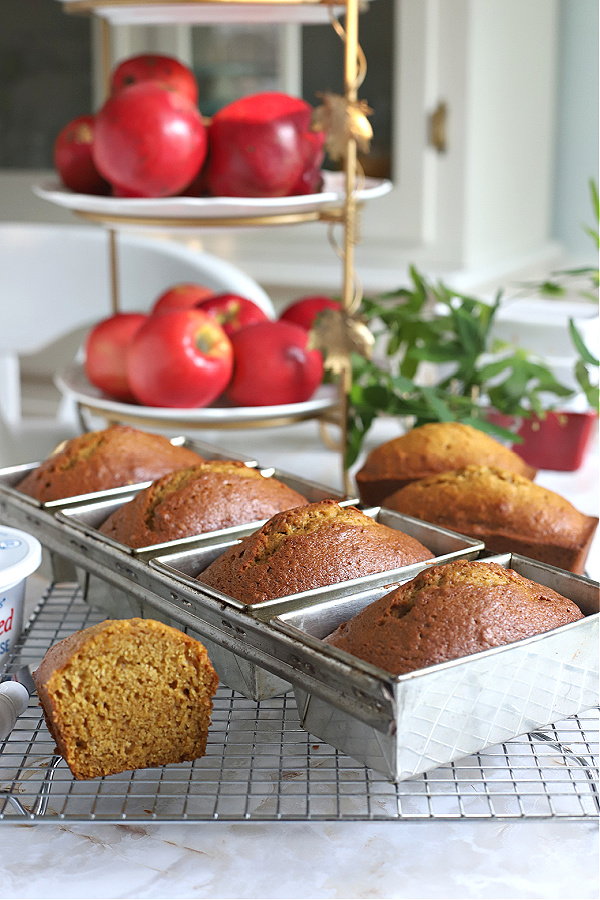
(397,859)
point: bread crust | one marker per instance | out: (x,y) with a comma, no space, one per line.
(309,547)
(430,449)
(450,611)
(105,459)
(212,495)
(507,511)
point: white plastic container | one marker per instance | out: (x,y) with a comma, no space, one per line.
(20,556)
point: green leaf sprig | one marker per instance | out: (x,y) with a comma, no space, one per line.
(585,360)
(428,322)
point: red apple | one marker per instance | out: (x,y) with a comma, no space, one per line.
(262,145)
(73,161)
(305,310)
(313,152)
(181,359)
(273,365)
(149,141)
(181,296)
(233,312)
(105,353)
(199,186)
(166,70)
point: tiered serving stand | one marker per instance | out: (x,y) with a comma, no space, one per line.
(337,205)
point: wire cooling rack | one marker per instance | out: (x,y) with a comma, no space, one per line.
(261,765)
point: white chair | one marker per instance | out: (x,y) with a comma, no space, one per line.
(56,280)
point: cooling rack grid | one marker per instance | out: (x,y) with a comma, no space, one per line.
(262,766)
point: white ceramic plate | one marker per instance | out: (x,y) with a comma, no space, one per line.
(333,194)
(72,382)
(125,12)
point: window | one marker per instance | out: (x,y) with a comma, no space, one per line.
(45,79)
(323,69)
(236,59)
(231,61)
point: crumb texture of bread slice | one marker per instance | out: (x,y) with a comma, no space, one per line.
(127,694)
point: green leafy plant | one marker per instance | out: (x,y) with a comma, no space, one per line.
(429,323)
(584,281)
(376,392)
(585,360)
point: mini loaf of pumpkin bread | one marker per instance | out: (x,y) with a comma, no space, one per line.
(126,694)
(427,450)
(508,512)
(449,611)
(212,495)
(309,547)
(101,460)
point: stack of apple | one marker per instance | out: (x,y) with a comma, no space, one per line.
(195,347)
(149,139)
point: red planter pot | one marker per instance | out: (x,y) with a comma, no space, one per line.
(557,442)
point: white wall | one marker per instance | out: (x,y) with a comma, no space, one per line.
(510,110)
(576,153)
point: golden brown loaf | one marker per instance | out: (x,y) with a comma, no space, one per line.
(308,547)
(101,460)
(427,450)
(508,512)
(212,495)
(449,611)
(126,694)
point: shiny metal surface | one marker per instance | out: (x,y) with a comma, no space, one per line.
(262,766)
(18,507)
(271,679)
(250,680)
(445,545)
(442,713)
(249,657)
(90,516)
(120,582)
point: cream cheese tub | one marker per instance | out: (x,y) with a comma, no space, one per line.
(20,556)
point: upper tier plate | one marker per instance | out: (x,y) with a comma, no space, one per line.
(73,383)
(193,12)
(193,208)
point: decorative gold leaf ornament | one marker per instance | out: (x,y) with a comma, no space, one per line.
(336,334)
(343,120)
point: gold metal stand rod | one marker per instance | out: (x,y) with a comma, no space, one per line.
(113,258)
(350,81)
(105,55)
(206,222)
(348,287)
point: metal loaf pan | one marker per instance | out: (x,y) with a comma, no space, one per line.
(406,725)
(177,585)
(87,518)
(184,566)
(118,580)
(21,511)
